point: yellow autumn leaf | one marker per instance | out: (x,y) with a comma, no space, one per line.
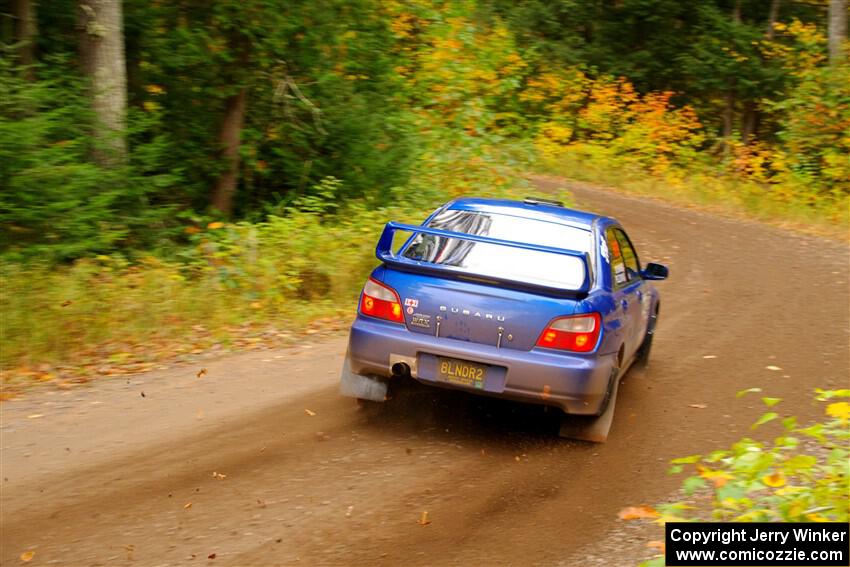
(215,225)
(774,480)
(815,517)
(840,410)
(27,556)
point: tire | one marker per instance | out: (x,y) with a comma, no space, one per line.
(642,354)
(615,375)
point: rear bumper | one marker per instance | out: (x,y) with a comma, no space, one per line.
(574,383)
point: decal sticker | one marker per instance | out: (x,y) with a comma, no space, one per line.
(620,273)
(615,248)
(603,247)
(410,310)
(421,320)
(411,302)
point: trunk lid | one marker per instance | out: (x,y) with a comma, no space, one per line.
(474,312)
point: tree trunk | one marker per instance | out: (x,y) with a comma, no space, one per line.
(26,33)
(229,139)
(102,57)
(728,117)
(772,16)
(837,30)
(749,121)
(750,115)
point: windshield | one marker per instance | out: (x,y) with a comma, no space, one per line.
(494,260)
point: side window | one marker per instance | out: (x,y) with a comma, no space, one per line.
(619,277)
(629,256)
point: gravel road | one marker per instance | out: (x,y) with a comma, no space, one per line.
(260,462)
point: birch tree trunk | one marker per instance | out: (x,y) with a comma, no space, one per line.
(837,30)
(102,57)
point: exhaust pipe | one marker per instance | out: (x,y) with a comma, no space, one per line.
(400,369)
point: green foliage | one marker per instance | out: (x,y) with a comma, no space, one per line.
(304,261)
(55,203)
(802,476)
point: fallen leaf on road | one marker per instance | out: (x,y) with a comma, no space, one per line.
(66,303)
(35,415)
(698,406)
(219,476)
(187,505)
(211,556)
(772,367)
(516,459)
(349,511)
(309,412)
(710,356)
(261,503)
(143,394)
(423,519)
(839,410)
(637,512)
(201,372)
(27,556)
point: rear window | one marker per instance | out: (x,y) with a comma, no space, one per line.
(493,260)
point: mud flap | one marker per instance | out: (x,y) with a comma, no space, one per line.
(359,386)
(591,428)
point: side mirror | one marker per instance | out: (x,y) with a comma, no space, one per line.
(655,272)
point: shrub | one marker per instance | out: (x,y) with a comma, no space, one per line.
(802,476)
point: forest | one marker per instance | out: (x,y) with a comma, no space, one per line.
(180,164)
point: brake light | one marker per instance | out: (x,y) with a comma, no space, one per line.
(380,301)
(578,333)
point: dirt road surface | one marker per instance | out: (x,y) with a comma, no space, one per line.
(108,476)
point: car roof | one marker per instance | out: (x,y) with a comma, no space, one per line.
(530,210)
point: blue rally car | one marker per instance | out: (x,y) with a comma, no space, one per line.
(529,301)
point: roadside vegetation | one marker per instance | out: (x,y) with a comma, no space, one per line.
(223,179)
(802,476)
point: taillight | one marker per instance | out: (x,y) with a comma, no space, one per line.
(380,301)
(578,333)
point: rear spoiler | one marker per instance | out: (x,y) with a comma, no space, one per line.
(384,252)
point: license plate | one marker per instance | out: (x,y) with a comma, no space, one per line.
(461,372)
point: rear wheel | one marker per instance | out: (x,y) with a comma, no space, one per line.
(594,428)
(612,380)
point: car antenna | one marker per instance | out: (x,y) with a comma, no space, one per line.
(539,201)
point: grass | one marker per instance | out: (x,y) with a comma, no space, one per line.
(238,285)
(784,206)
